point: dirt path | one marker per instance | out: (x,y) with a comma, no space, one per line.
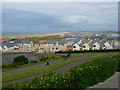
(62,69)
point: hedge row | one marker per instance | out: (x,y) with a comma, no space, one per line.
(84,51)
(81,77)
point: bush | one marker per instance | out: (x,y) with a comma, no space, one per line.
(89,51)
(33,61)
(9,66)
(68,55)
(52,80)
(20,60)
(6,66)
(93,72)
(64,57)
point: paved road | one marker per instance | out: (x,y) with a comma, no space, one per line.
(32,77)
(10,71)
(74,64)
(112,82)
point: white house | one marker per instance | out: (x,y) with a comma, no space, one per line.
(76,47)
(105,44)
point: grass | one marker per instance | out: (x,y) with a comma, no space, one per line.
(40,55)
(41,69)
(44,38)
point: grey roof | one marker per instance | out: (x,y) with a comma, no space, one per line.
(84,41)
(117,46)
(103,41)
(71,45)
(26,41)
(91,44)
(10,45)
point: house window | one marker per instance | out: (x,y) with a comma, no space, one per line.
(83,46)
(94,45)
(103,45)
(53,48)
(56,48)
(74,46)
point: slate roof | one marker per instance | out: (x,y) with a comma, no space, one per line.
(26,41)
(8,44)
(117,46)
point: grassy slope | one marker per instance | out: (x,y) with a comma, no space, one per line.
(41,69)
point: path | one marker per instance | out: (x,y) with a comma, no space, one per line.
(74,64)
(10,71)
(32,77)
(112,82)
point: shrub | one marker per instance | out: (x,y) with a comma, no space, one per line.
(93,72)
(9,65)
(34,61)
(20,60)
(64,57)
(52,80)
(6,66)
(68,55)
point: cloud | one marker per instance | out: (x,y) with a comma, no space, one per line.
(59,16)
(60,0)
(74,19)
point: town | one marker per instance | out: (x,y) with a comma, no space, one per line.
(14,44)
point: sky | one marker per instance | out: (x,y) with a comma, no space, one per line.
(59,16)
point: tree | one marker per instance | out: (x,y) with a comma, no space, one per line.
(20,60)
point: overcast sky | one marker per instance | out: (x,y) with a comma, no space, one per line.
(59,17)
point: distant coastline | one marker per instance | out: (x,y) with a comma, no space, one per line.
(6,35)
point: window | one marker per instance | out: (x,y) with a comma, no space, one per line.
(56,48)
(94,45)
(74,46)
(103,45)
(83,46)
(53,48)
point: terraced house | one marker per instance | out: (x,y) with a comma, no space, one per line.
(73,44)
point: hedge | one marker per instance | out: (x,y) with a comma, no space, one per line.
(90,51)
(82,76)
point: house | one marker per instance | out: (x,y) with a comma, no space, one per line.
(105,44)
(95,45)
(70,47)
(0,48)
(76,47)
(9,47)
(117,47)
(85,46)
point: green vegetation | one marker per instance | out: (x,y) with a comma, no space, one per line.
(48,58)
(42,69)
(44,38)
(88,51)
(82,76)
(20,60)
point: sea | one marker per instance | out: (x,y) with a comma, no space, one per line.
(24,33)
